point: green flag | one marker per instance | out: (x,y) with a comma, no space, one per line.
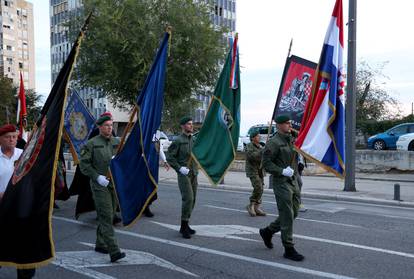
(215,146)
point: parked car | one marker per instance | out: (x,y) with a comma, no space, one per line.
(388,139)
(263,130)
(406,142)
(164,140)
(240,146)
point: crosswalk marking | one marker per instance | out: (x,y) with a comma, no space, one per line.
(218,253)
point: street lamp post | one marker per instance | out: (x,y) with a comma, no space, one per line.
(350,107)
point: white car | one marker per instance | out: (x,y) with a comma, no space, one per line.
(406,142)
(263,130)
(165,142)
(240,145)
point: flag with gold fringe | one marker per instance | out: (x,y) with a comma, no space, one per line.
(135,168)
(27,205)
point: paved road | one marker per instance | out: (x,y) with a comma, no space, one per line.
(339,240)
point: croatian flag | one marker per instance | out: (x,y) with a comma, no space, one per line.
(322,134)
(234,83)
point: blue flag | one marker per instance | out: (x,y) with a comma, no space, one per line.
(79,123)
(135,168)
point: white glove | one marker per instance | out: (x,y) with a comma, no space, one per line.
(288,172)
(102,180)
(184,170)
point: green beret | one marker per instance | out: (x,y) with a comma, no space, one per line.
(185,119)
(282,119)
(255,133)
(102,119)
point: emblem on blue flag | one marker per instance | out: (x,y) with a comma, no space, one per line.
(79,123)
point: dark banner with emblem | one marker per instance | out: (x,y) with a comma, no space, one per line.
(79,123)
(27,205)
(295,89)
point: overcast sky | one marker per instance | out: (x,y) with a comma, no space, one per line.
(384,33)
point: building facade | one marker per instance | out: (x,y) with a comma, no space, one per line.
(223,14)
(17,42)
(61,11)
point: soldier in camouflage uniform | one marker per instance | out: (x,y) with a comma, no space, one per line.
(179,158)
(95,158)
(280,160)
(255,172)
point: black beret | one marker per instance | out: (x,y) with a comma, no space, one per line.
(282,119)
(185,119)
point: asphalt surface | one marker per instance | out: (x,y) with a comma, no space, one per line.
(338,239)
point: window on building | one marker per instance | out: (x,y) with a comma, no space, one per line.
(8,69)
(6,3)
(9,47)
(20,65)
(6,26)
(221,11)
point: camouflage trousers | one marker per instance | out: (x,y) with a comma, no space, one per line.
(257,183)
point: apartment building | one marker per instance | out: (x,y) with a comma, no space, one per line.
(17,42)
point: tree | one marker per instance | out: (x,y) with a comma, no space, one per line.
(8,97)
(372,100)
(122,40)
(33,100)
(8,101)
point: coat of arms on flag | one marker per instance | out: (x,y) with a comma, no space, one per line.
(322,133)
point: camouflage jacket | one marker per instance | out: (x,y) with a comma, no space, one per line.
(254,160)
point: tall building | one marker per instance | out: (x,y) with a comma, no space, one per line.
(17,42)
(61,11)
(223,13)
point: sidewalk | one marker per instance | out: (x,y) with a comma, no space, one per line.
(371,188)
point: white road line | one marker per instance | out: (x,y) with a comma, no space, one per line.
(302,219)
(362,203)
(219,253)
(304,198)
(347,244)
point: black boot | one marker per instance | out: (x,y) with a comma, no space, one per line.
(26,273)
(184,230)
(116,220)
(148,213)
(266,235)
(190,229)
(292,254)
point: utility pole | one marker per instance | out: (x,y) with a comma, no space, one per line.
(350,107)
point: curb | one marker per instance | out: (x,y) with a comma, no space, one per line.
(305,194)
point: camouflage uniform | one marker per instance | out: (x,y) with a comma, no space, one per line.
(95,158)
(255,171)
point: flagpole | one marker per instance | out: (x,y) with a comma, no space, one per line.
(274,110)
(350,110)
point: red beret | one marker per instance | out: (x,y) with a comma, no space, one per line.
(107,113)
(7,129)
